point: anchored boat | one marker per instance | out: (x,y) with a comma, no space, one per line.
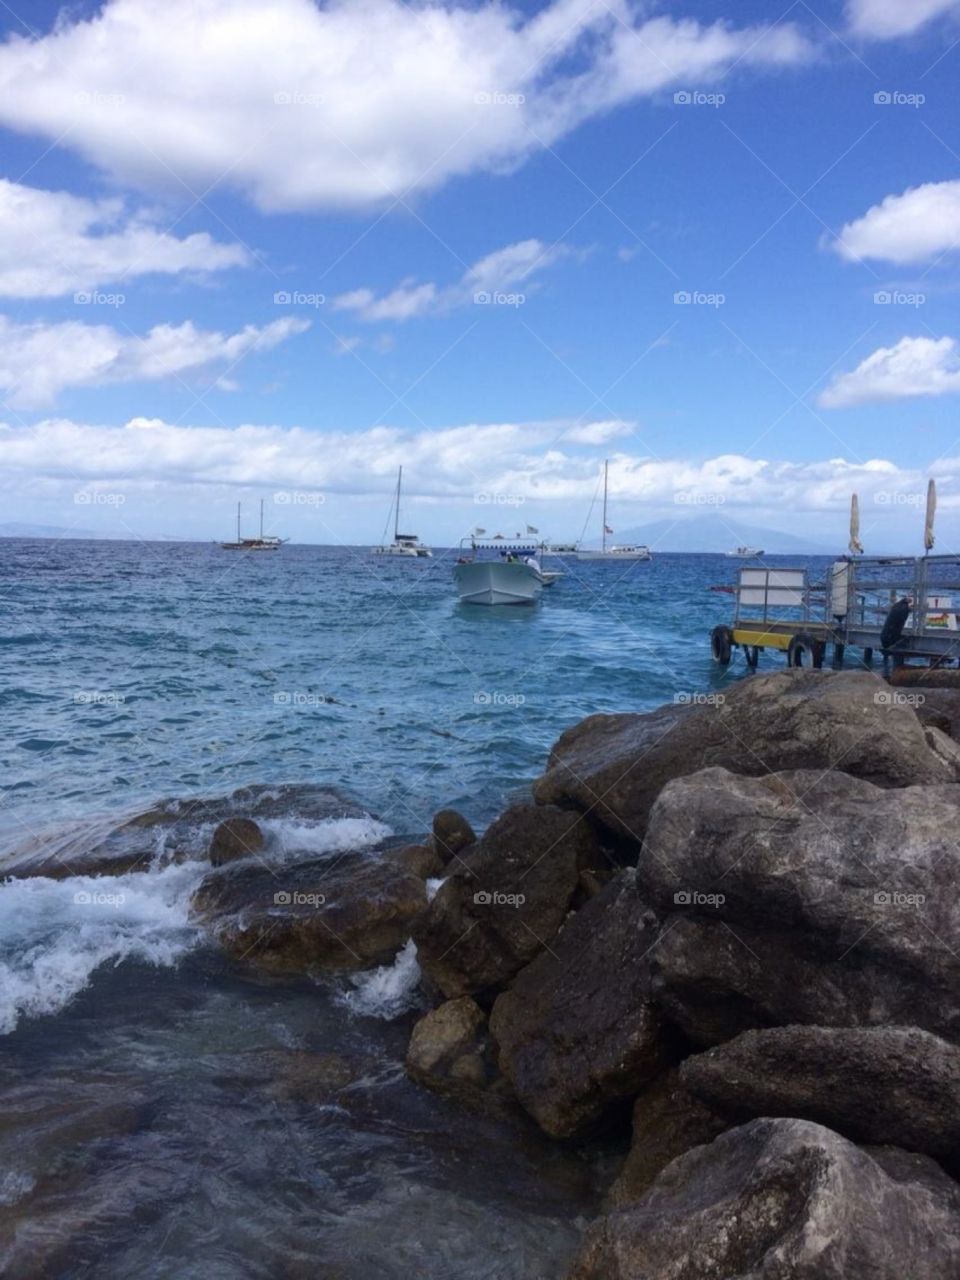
(265,542)
(744,553)
(500,571)
(406,545)
(627,552)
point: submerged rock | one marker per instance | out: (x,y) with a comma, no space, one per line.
(614,766)
(577,1030)
(894,1085)
(506,899)
(351,914)
(451,1052)
(805,897)
(233,839)
(452,833)
(782,1200)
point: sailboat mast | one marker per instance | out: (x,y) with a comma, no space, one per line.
(238,521)
(396,510)
(261,519)
(606,466)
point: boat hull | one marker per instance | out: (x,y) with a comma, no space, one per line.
(618,557)
(496,582)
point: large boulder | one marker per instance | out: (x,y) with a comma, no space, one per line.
(887,1085)
(782,1200)
(452,833)
(668,1121)
(577,1030)
(805,897)
(235,838)
(506,899)
(451,1052)
(614,766)
(351,914)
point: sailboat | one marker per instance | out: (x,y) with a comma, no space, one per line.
(403,544)
(626,552)
(265,542)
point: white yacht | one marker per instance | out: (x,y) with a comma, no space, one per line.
(407,545)
(745,553)
(500,571)
(626,552)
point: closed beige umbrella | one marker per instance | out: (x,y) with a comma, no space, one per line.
(928,535)
(855,545)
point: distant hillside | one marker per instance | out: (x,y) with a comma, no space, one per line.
(719,533)
(59,533)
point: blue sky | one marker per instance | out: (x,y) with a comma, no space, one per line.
(167,179)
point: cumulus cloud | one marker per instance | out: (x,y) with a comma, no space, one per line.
(540,463)
(37,361)
(301,105)
(502,270)
(914,367)
(53,243)
(887,19)
(922,223)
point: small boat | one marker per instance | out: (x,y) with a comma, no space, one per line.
(513,576)
(744,553)
(265,542)
(627,552)
(405,545)
(560,549)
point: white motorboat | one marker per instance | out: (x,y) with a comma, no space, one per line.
(500,571)
(406,545)
(744,553)
(265,542)
(627,552)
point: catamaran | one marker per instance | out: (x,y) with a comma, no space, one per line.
(403,544)
(626,552)
(265,542)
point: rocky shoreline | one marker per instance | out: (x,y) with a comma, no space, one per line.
(723,933)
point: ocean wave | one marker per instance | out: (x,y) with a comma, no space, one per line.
(386,992)
(291,837)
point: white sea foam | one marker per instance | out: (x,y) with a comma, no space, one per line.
(292,838)
(388,991)
(54,934)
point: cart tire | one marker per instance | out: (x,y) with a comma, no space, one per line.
(752,654)
(721,645)
(868,657)
(804,648)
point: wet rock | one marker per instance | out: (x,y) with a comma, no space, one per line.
(614,766)
(668,1121)
(939,709)
(233,839)
(422,859)
(884,1085)
(577,1030)
(452,833)
(805,897)
(353,913)
(505,901)
(782,1200)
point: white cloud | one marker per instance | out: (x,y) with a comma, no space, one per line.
(922,223)
(498,272)
(304,106)
(887,19)
(37,361)
(52,243)
(914,367)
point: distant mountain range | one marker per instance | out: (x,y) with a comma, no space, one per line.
(718,533)
(74,535)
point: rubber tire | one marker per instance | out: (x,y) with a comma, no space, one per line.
(803,643)
(721,645)
(751,653)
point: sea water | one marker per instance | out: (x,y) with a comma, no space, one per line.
(159,1107)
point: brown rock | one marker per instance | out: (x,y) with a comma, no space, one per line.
(422,859)
(233,839)
(452,833)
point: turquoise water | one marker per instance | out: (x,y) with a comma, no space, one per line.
(165,1112)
